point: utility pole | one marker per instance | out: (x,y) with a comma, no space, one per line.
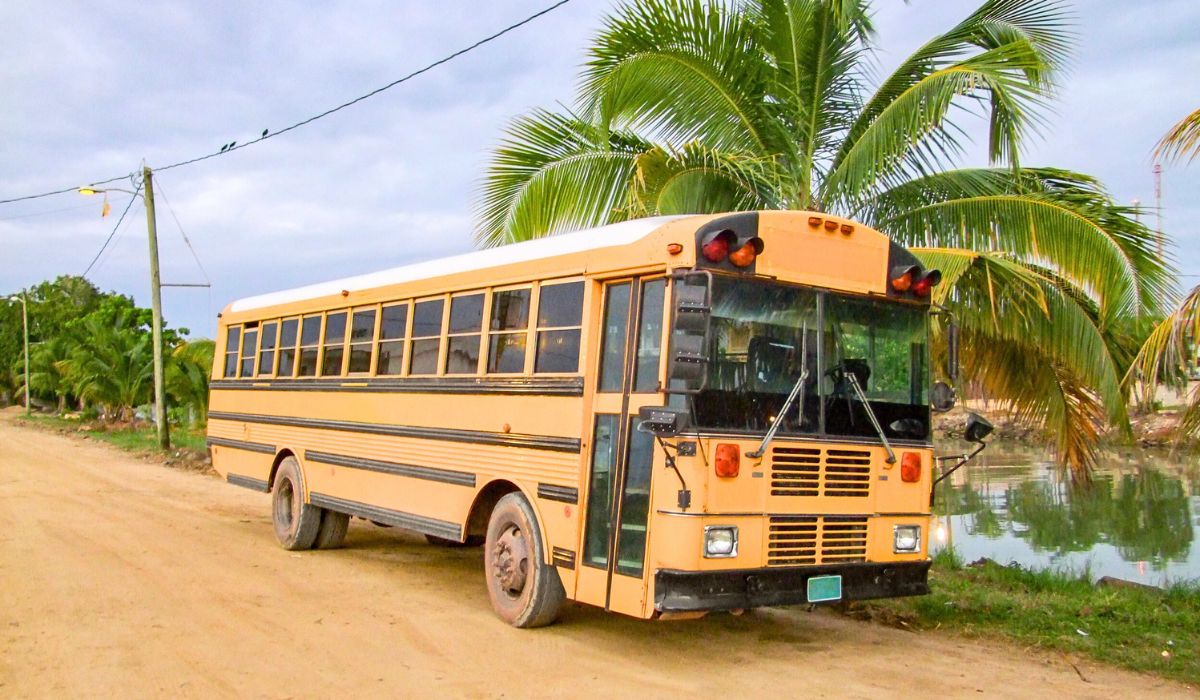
(160,392)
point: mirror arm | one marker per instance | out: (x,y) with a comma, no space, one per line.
(685,495)
(962,461)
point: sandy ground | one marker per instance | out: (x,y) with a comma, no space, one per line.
(123,578)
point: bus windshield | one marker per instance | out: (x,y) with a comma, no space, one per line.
(764,335)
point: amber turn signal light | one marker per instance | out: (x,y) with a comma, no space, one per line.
(910,467)
(728,460)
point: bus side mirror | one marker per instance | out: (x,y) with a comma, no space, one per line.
(977,428)
(662,421)
(688,366)
(941,397)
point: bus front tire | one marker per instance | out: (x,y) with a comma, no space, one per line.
(296,522)
(524,590)
(332,532)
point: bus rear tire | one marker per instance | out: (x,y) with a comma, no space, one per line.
(332,532)
(296,522)
(524,590)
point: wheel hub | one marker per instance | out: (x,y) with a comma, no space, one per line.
(510,561)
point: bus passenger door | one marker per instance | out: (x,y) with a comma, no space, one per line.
(613,570)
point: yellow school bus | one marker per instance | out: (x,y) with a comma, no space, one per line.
(662,417)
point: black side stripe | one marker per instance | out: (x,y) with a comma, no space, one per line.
(408,521)
(535,386)
(478,437)
(432,474)
(550,492)
(564,558)
(241,445)
(247,482)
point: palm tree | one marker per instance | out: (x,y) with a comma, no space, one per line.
(187,376)
(113,367)
(1172,346)
(699,107)
(47,376)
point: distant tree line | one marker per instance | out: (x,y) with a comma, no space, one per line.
(93,352)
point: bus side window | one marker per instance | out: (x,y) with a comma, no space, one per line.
(649,343)
(249,351)
(287,347)
(335,344)
(266,348)
(560,317)
(362,334)
(427,336)
(310,345)
(232,342)
(510,321)
(466,323)
(393,328)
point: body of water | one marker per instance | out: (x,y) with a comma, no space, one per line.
(1139,520)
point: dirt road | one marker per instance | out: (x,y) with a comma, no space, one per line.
(122,578)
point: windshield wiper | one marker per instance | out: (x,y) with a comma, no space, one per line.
(891,458)
(787,405)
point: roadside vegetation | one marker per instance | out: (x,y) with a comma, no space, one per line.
(187,443)
(1136,627)
(91,355)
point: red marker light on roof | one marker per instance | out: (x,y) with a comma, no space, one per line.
(902,277)
(716,248)
(926,282)
(745,256)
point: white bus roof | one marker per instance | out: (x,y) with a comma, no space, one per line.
(622,233)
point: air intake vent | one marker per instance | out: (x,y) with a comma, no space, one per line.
(800,540)
(807,471)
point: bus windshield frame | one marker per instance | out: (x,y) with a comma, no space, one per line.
(764,334)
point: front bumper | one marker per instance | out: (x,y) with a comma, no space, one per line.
(692,591)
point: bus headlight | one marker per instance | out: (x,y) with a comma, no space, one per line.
(907,538)
(720,541)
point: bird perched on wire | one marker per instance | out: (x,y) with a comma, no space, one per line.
(264,133)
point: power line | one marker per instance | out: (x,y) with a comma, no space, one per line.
(114,231)
(46,213)
(183,233)
(268,135)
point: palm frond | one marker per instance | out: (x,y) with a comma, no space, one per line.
(1006,303)
(1182,141)
(816,49)
(911,135)
(699,180)
(1048,216)
(678,70)
(1164,356)
(1039,26)
(552,173)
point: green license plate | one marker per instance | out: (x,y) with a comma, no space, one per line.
(824,588)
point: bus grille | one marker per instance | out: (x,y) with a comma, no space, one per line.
(808,471)
(798,540)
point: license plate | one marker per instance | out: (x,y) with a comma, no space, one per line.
(824,588)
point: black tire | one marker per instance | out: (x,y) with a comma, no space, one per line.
(524,590)
(296,522)
(332,532)
(471,541)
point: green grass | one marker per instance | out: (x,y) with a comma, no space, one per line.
(1060,611)
(141,438)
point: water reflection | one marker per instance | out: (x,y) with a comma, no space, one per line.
(1138,520)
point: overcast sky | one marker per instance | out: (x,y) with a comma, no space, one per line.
(88,91)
